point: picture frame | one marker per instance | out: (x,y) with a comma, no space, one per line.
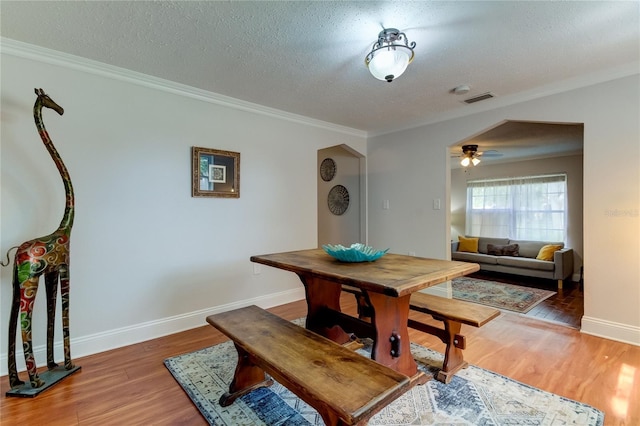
(215,173)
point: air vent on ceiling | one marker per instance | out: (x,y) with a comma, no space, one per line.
(479,98)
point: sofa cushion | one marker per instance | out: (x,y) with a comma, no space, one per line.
(468,244)
(484,241)
(474,257)
(546,252)
(508,250)
(525,262)
(532,248)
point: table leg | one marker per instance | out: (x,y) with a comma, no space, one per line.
(391,345)
(323,295)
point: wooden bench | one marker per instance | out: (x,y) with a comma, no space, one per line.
(453,313)
(344,387)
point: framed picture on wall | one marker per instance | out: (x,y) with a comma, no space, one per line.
(215,173)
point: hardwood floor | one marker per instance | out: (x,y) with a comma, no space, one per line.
(566,307)
(131,386)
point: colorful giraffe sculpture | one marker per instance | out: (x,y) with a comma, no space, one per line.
(48,256)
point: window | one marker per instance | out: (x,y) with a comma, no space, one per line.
(522,208)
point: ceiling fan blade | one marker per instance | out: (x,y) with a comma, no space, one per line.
(492,153)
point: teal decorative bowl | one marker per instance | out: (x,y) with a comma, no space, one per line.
(356,253)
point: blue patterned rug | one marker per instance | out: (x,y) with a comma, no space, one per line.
(474,397)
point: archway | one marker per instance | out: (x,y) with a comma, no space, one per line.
(341,215)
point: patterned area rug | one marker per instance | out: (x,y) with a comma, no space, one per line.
(499,295)
(473,397)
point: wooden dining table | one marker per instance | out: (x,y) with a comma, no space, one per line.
(387,284)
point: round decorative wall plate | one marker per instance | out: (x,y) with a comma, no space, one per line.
(327,169)
(338,200)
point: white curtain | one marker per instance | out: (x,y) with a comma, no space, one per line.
(521,208)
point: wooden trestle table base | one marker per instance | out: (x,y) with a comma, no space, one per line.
(386,283)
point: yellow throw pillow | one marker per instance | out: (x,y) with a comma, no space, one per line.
(468,244)
(546,252)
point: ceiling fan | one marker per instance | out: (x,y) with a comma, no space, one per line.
(471,157)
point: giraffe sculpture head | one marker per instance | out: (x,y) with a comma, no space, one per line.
(46,101)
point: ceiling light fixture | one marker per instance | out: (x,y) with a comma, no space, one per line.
(470,156)
(388,59)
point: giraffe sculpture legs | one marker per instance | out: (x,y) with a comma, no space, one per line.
(14,380)
(51,280)
(28,290)
(51,283)
(22,304)
(64,296)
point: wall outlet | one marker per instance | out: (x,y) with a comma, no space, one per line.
(257,269)
(437,205)
(412,253)
(385,204)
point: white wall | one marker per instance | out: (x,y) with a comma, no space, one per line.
(411,168)
(571,165)
(147,258)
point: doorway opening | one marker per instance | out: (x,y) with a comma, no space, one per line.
(525,148)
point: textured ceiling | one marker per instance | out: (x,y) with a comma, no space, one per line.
(307,57)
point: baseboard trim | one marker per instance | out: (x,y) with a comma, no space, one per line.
(117,338)
(611,330)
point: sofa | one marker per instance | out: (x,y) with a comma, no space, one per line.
(542,259)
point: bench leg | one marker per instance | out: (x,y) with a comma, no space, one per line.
(453,359)
(450,336)
(247,378)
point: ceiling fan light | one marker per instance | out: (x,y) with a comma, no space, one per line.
(465,162)
(475,161)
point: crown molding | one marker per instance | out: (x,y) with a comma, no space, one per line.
(42,54)
(54,57)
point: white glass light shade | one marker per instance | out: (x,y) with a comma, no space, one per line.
(467,161)
(389,63)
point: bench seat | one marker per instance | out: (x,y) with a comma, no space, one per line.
(344,387)
(453,313)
